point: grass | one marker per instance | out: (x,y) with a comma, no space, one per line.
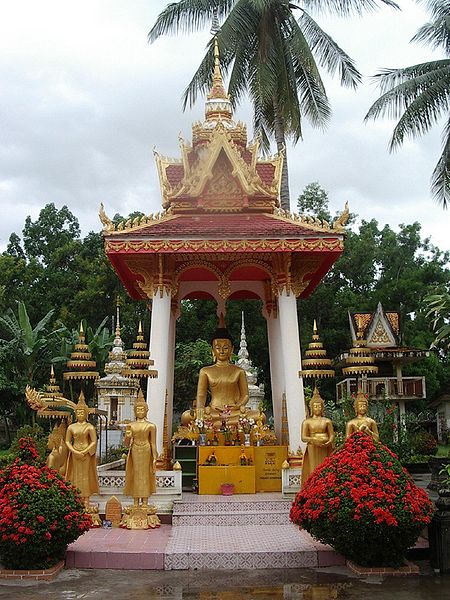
(443,450)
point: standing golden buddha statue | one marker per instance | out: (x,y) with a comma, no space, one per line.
(362,422)
(226,382)
(318,433)
(81,466)
(140,479)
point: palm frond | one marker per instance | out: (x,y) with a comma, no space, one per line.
(187,16)
(328,53)
(440,179)
(345,8)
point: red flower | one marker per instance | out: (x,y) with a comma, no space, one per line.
(362,502)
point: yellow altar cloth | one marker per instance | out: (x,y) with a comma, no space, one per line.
(262,475)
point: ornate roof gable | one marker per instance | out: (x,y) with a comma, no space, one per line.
(220,171)
(380,328)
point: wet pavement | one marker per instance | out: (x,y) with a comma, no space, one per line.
(336,583)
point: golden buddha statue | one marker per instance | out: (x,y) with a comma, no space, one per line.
(226,382)
(81,442)
(318,433)
(140,469)
(362,422)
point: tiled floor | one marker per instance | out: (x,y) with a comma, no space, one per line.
(119,549)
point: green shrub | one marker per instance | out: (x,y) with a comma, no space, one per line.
(37,434)
(424,443)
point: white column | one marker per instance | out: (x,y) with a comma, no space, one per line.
(170,372)
(159,352)
(276,370)
(290,344)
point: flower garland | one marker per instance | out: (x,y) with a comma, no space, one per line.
(362,502)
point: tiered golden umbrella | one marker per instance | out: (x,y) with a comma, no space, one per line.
(360,361)
(52,389)
(139,361)
(81,366)
(316,365)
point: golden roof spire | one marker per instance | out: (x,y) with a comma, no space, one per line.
(217,90)
(218,105)
(118,316)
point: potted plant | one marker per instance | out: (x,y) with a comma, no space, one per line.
(364,504)
(40,512)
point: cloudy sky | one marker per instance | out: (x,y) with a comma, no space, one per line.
(84,99)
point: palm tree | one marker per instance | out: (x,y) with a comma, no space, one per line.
(420,95)
(273,56)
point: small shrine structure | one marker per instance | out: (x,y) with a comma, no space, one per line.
(382,337)
(222,235)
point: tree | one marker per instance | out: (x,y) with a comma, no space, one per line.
(314,201)
(438,305)
(25,357)
(420,96)
(275,58)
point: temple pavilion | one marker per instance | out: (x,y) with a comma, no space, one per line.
(221,235)
(382,334)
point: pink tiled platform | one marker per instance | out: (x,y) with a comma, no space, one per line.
(248,531)
(119,549)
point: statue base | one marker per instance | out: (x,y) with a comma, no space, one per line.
(140,517)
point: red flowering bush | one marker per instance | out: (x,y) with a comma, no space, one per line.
(363,503)
(40,513)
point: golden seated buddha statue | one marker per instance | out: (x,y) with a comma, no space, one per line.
(227,385)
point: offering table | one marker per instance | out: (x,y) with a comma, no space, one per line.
(226,470)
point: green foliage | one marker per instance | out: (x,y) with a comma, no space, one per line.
(114,453)
(36,434)
(314,201)
(424,443)
(190,357)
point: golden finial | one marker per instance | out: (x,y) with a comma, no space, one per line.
(315,327)
(81,401)
(118,315)
(81,327)
(140,328)
(52,372)
(140,398)
(217,89)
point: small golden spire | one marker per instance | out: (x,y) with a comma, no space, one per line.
(140,328)
(118,316)
(315,327)
(217,89)
(81,401)
(81,327)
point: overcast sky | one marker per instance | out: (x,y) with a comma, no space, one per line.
(84,99)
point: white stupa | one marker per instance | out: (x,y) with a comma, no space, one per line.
(256,393)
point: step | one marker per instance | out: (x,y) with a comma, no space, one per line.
(245,547)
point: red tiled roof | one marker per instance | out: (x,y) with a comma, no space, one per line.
(175,174)
(265,172)
(223,226)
